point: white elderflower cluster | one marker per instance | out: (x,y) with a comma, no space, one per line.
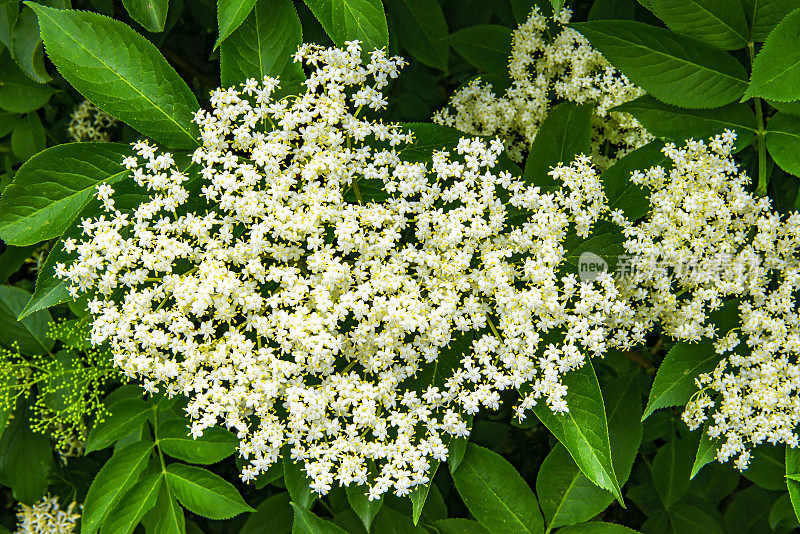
(351,332)
(707,241)
(90,123)
(694,250)
(47,517)
(567,68)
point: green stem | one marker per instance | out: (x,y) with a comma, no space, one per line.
(494,328)
(761,189)
(357,192)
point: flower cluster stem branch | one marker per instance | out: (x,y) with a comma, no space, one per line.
(761,188)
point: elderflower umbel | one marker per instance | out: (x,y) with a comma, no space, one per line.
(348,332)
(567,68)
(90,123)
(47,517)
(694,242)
(705,242)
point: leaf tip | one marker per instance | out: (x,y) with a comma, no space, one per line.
(35,6)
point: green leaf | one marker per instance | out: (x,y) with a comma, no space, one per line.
(621,192)
(18,93)
(459,526)
(365,509)
(52,188)
(9,13)
(793,477)
(776,69)
(495,494)
(123,418)
(671,468)
(263,45)
(27,47)
(273,515)
(565,133)
(679,124)
(273,473)
(565,494)
(706,451)
(26,458)
(687,519)
(125,392)
(597,527)
(583,430)
(151,14)
(390,521)
(714,483)
(612,9)
(764,15)
(7,122)
(12,259)
(792,108)
(767,468)
(30,333)
(457,449)
(419,495)
(558,5)
(675,379)
(307,523)
(297,482)
(230,15)
(674,68)
(782,513)
(749,511)
(122,73)
(486,47)
(28,137)
(214,445)
(783,141)
(347,20)
(429,138)
(167,515)
(112,482)
(719,23)
(422,30)
(132,507)
(204,493)
(49,289)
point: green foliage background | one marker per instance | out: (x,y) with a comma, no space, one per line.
(620,461)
